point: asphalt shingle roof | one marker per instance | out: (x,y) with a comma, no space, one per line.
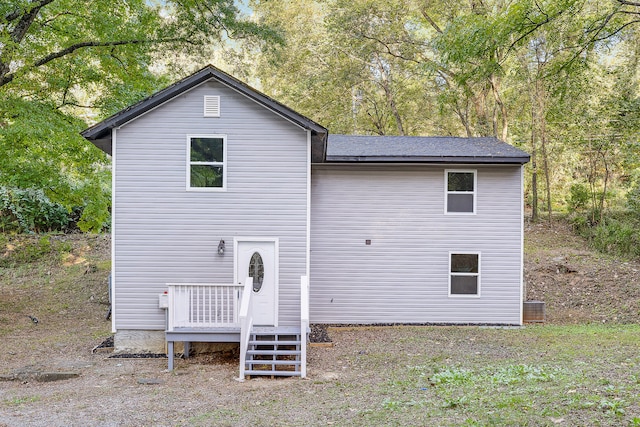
(361,148)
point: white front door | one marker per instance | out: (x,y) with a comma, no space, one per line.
(258,259)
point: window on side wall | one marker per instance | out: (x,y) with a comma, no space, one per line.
(460,197)
(464,274)
(206,162)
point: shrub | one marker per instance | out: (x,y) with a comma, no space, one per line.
(578,197)
(30,210)
(619,233)
(633,200)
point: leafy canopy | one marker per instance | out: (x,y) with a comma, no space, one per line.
(67,63)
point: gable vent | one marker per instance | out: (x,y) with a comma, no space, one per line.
(212,106)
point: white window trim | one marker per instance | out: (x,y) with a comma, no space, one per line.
(478,274)
(447,192)
(223,163)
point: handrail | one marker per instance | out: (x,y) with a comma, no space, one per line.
(304,323)
(246,324)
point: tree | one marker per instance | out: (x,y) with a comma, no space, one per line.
(65,62)
(556,77)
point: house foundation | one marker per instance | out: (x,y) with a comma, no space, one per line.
(137,341)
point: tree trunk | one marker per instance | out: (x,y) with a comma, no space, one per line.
(385,83)
(392,105)
(604,187)
(495,86)
(534,168)
(545,161)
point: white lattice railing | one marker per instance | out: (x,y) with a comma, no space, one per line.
(203,305)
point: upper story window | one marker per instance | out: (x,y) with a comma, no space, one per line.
(464,274)
(206,162)
(460,197)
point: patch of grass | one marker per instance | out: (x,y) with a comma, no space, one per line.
(220,416)
(451,376)
(584,375)
(520,373)
(17,401)
(30,249)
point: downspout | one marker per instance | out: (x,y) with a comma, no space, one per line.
(114,280)
(522,285)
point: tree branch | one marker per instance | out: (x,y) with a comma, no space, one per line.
(19,31)
(21,28)
(74,47)
(73,104)
(595,39)
(7,78)
(388,48)
(430,21)
(17,13)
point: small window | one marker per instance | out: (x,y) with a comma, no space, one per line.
(256,270)
(460,192)
(206,162)
(464,274)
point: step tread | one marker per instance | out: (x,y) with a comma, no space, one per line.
(275,352)
(274,373)
(273,362)
(254,342)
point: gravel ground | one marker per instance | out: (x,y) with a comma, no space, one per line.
(68,298)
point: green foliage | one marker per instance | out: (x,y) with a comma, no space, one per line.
(617,237)
(30,211)
(452,376)
(619,234)
(562,73)
(633,200)
(578,197)
(60,69)
(521,373)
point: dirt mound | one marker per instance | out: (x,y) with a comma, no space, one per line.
(577,284)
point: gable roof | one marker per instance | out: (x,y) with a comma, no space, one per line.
(100,133)
(420,149)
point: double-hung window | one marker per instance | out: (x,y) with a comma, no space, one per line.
(460,197)
(206,162)
(464,274)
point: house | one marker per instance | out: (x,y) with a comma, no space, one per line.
(236,219)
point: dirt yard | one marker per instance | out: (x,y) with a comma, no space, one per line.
(66,291)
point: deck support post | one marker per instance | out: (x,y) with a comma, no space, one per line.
(187,349)
(170,355)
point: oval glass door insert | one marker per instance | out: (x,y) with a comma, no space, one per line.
(256,270)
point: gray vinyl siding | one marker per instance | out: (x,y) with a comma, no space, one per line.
(402,276)
(164,233)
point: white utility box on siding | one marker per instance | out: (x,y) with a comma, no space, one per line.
(163,300)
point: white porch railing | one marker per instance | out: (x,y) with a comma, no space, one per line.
(203,305)
(246,324)
(304,323)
